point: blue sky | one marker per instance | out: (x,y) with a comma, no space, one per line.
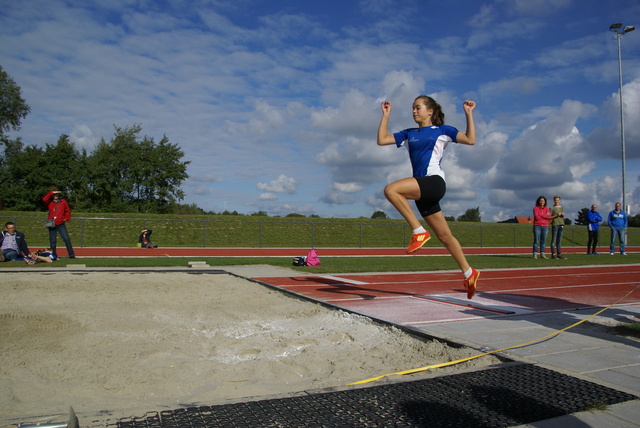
(276,103)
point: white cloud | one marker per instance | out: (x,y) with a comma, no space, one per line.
(536,7)
(84,137)
(348,187)
(266,119)
(268,196)
(282,184)
(522,85)
(484,17)
(338,198)
(606,142)
(548,148)
(248,88)
(462,184)
(485,153)
(360,161)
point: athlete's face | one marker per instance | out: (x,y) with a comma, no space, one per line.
(421,114)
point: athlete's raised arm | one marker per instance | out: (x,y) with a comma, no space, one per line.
(468,137)
(384,138)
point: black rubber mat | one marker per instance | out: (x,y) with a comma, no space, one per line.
(498,397)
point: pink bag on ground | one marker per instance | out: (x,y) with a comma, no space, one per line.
(312,258)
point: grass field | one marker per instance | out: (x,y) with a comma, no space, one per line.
(352,264)
(122,230)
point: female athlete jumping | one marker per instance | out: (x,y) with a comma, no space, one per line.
(426,145)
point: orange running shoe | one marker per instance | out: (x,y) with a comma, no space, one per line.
(470,283)
(417,241)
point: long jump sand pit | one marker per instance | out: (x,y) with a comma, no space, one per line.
(120,344)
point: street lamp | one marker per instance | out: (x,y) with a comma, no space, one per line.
(620,31)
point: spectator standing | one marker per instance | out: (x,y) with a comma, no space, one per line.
(557,228)
(541,217)
(593,226)
(60,212)
(13,243)
(618,222)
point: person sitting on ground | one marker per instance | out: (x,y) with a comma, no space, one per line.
(13,244)
(145,239)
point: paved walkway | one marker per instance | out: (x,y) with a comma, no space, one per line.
(588,350)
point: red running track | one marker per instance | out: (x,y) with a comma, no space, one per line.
(422,298)
(414,299)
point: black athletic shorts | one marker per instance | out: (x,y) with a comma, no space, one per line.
(432,189)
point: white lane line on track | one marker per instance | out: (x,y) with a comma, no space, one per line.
(347,281)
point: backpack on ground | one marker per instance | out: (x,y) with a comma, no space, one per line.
(299,261)
(312,258)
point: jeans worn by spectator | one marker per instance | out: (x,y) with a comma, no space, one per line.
(62,230)
(540,238)
(556,239)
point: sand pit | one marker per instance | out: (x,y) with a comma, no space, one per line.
(121,344)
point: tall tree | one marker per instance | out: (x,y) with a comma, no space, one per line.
(127,174)
(32,170)
(12,107)
(582,217)
(21,168)
(472,214)
(379,214)
(133,173)
(61,168)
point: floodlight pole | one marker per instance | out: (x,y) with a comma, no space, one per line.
(617,28)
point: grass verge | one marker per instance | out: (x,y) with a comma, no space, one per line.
(351,264)
(632,329)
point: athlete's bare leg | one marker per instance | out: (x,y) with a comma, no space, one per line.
(439,225)
(399,193)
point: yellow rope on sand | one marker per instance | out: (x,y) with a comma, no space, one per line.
(451,363)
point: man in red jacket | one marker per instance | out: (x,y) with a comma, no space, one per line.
(60,212)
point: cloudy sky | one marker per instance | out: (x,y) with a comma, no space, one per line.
(276,103)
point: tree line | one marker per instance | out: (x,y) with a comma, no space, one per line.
(128,173)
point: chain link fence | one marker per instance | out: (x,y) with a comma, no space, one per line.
(245,232)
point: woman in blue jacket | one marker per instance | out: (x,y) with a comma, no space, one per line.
(593,225)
